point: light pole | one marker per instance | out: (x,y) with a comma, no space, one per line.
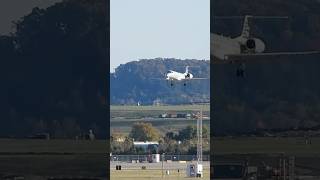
(179,143)
(162,164)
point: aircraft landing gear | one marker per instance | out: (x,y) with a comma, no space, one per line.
(170,83)
(241,70)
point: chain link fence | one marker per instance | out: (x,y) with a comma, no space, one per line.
(145,158)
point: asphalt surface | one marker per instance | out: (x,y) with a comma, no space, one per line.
(175,165)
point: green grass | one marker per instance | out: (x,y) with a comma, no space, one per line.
(44,158)
(54,165)
(53,146)
(87,158)
(123,117)
(160,108)
(163,125)
(267,145)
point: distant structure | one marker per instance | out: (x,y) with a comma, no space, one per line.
(91,135)
(45,136)
(176,115)
(157,102)
(196,170)
(138,104)
(146,145)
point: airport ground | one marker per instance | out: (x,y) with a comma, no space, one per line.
(261,151)
(149,108)
(46,158)
(123,117)
(254,150)
(41,159)
(177,170)
(82,158)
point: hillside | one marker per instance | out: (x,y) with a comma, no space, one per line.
(143,81)
(53,71)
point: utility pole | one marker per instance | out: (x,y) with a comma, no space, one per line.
(291,168)
(199,136)
(196,170)
(162,165)
(199,145)
(284,169)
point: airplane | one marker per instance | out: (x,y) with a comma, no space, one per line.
(177,76)
(240,49)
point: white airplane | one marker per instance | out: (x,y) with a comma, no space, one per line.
(240,49)
(177,76)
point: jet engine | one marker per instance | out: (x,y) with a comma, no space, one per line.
(255,45)
(252,45)
(188,76)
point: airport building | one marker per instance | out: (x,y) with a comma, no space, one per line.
(146,146)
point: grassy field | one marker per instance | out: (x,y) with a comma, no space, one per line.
(163,125)
(266,145)
(40,159)
(269,150)
(205,107)
(134,112)
(53,146)
(123,117)
(88,158)
(54,165)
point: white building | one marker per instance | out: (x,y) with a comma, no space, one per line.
(145,145)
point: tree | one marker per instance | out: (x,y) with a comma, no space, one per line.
(125,147)
(54,67)
(168,146)
(205,131)
(170,135)
(188,133)
(144,132)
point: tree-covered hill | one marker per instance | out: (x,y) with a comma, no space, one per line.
(53,71)
(143,81)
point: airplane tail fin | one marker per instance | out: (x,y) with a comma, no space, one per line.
(187,69)
(246,28)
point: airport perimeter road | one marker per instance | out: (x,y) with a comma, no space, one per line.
(153,171)
(166,165)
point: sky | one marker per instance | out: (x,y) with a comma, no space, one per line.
(13,10)
(145,29)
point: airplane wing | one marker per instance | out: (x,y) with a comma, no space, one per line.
(161,79)
(197,78)
(264,56)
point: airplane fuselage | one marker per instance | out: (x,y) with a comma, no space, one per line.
(173,75)
(222,47)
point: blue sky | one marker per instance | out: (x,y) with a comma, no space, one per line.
(159,28)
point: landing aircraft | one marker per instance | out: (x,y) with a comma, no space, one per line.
(177,76)
(240,49)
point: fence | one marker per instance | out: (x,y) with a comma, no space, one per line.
(144,158)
